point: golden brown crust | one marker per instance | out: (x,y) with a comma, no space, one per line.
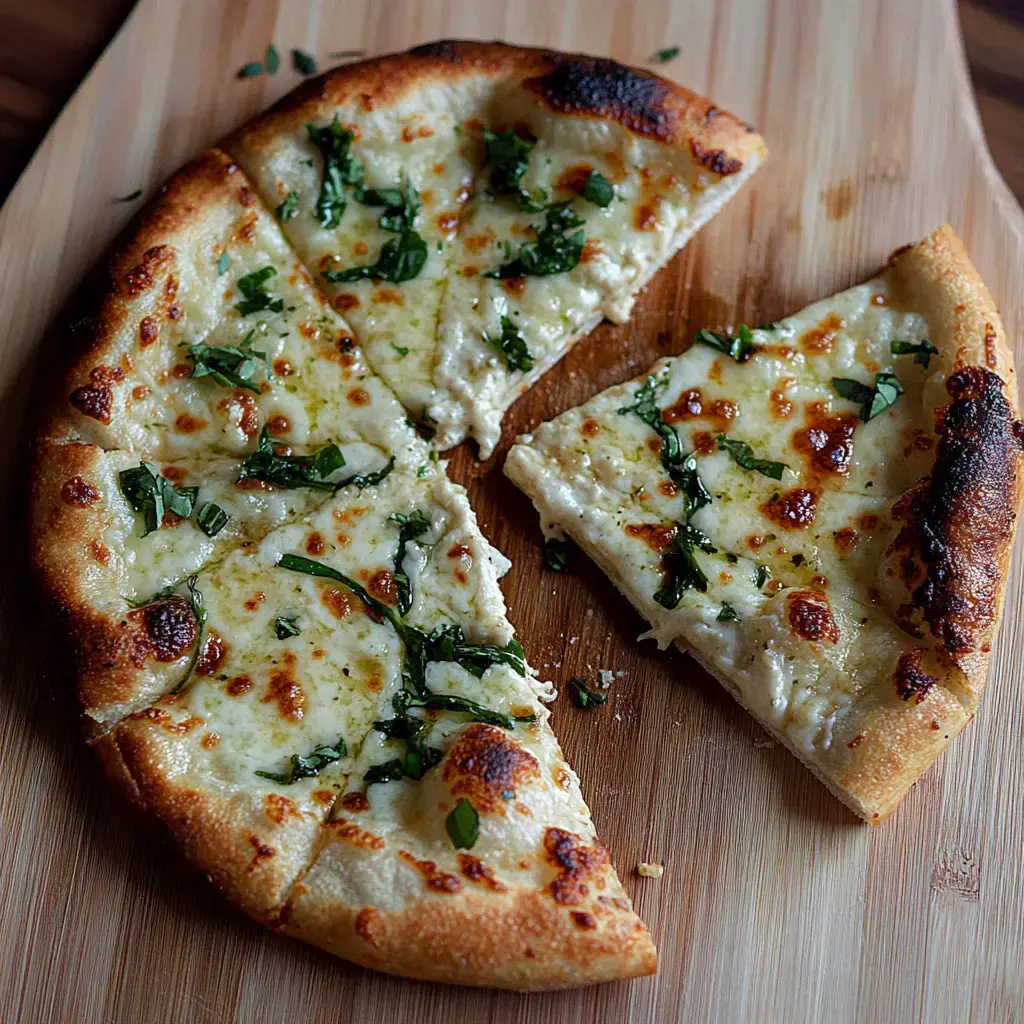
(573,85)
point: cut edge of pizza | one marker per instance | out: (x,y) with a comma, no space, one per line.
(821,511)
(532,194)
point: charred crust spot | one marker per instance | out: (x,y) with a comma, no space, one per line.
(597,87)
(584,920)
(79,492)
(437,880)
(170,627)
(487,767)
(263,852)
(855,742)
(355,836)
(355,802)
(715,160)
(214,650)
(370,926)
(280,808)
(912,682)
(143,275)
(93,402)
(810,616)
(576,861)
(479,873)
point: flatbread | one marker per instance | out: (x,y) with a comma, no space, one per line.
(843,572)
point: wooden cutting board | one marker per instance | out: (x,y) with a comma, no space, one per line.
(776,903)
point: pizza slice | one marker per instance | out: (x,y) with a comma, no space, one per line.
(360,755)
(820,510)
(475,208)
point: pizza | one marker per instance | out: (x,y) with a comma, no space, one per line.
(819,510)
(474,209)
(293,648)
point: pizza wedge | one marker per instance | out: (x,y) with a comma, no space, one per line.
(820,510)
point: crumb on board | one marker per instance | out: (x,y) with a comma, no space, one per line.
(605,677)
(650,869)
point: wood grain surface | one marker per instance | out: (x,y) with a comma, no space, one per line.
(776,903)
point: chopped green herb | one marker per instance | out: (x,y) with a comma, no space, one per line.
(310,766)
(418,759)
(285,627)
(341,169)
(586,698)
(345,54)
(664,56)
(362,480)
(130,198)
(303,62)
(411,526)
(422,471)
(388,771)
(148,492)
(598,190)
(923,352)
(195,602)
(762,576)
(512,346)
(212,519)
(250,70)
(554,251)
(873,401)
(231,366)
(401,206)
(556,554)
(257,299)
(743,455)
(463,825)
(401,259)
(289,207)
(680,566)
(223,263)
(272,60)
(291,471)
(402,350)
(740,348)
(727,613)
(508,156)
(309,567)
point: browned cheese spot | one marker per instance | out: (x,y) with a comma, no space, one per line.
(170,627)
(912,682)
(577,863)
(792,510)
(810,616)
(214,650)
(820,339)
(437,880)
(315,544)
(479,873)
(337,602)
(355,802)
(238,685)
(657,536)
(692,405)
(285,691)
(487,767)
(280,808)
(370,926)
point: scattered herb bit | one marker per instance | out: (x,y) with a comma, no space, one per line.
(402,350)
(401,205)
(873,401)
(310,766)
(923,352)
(463,825)
(257,299)
(212,519)
(341,169)
(664,56)
(680,566)
(130,198)
(250,70)
(418,759)
(586,698)
(291,471)
(195,602)
(680,466)
(743,455)
(362,480)
(289,207)
(598,190)
(740,348)
(508,156)
(148,492)
(231,366)
(512,346)
(285,627)
(401,259)
(554,251)
(727,613)
(303,62)
(223,263)
(762,576)
(422,471)
(411,526)
(388,771)
(272,60)
(556,554)
(346,54)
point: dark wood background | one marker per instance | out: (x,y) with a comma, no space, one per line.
(47,47)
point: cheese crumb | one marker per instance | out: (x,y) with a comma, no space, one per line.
(650,869)
(605,677)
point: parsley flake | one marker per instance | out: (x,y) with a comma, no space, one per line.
(597,189)
(556,554)
(586,699)
(664,56)
(231,366)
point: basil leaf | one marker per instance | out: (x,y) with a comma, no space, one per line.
(212,519)
(130,198)
(401,206)
(586,698)
(362,480)
(289,207)
(762,576)
(195,601)
(743,455)
(923,352)
(388,771)
(250,70)
(272,60)
(512,345)
(413,525)
(257,299)
(303,63)
(231,366)
(597,189)
(554,251)
(873,401)
(449,702)
(148,492)
(291,471)
(401,259)
(556,554)
(664,56)
(223,263)
(310,766)
(508,156)
(340,169)
(740,348)
(285,627)
(679,564)
(727,613)
(463,825)
(309,567)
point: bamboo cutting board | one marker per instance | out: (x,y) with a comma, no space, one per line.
(776,903)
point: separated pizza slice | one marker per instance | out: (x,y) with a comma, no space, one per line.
(820,510)
(360,755)
(585,177)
